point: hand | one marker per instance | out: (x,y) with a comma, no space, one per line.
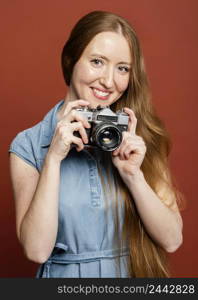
(63,135)
(129,156)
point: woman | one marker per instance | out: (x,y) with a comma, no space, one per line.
(83,212)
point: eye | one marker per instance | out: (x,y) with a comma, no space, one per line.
(123,69)
(97,62)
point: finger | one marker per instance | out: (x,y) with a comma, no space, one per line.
(138,148)
(77,141)
(77,126)
(119,151)
(132,120)
(124,140)
(74,104)
(122,151)
(76,116)
(128,150)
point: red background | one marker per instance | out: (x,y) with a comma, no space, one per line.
(32,37)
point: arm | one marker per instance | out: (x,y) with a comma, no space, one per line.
(36,196)
(36,202)
(164,224)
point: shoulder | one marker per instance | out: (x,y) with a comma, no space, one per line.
(23,144)
(27,138)
(30,143)
(27,135)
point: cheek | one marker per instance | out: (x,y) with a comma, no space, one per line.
(122,83)
(84,74)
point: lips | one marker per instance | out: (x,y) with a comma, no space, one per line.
(101,94)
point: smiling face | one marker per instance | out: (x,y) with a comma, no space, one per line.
(101,75)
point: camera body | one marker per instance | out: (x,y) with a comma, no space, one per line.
(106,127)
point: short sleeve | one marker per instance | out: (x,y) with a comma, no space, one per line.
(22,146)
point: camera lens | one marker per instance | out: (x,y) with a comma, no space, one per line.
(107,136)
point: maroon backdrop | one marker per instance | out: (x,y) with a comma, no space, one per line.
(32,37)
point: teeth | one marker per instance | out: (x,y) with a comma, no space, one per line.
(100,93)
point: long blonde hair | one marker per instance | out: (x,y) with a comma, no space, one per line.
(147,259)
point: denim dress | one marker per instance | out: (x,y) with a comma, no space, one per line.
(85,244)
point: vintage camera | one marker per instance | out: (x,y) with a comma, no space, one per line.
(106,127)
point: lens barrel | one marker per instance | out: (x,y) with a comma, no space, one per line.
(107,136)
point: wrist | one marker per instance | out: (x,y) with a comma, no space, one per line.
(134,178)
(51,159)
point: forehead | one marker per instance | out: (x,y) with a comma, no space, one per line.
(113,45)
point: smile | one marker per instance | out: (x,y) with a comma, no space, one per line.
(100,94)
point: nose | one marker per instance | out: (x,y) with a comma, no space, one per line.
(107,77)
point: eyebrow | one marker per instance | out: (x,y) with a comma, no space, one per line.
(105,58)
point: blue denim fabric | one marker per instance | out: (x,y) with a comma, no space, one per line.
(85,244)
